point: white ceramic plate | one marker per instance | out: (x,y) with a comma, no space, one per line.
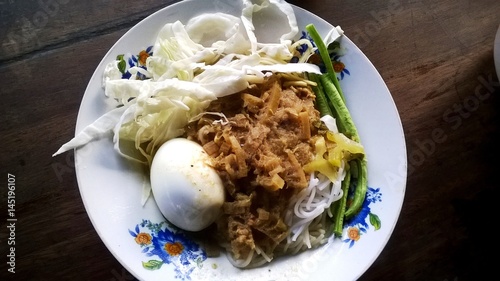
(111,186)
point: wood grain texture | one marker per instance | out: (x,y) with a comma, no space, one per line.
(34,26)
(435,56)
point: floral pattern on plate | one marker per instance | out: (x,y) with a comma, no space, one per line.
(168,245)
(129,61)
(358,225)
(165,244)
(334,49)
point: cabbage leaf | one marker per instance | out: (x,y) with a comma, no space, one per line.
(211,56)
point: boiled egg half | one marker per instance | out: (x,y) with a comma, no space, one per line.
(187,190)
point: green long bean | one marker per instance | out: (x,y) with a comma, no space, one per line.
(339,207)
(337,105)
(330,86)
(325,56)
(361,188)
(347,127)
(321,100)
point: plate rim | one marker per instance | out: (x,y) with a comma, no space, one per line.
(96,73)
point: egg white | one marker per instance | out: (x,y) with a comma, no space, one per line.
(187,190)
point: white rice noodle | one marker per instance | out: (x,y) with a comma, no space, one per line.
(306,215)
(241,263)
(259,251)
(255,258)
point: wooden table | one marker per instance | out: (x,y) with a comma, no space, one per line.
(435,56)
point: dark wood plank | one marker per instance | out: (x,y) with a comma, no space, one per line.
(41,113)
(436,58)
(28,26)
(54,235)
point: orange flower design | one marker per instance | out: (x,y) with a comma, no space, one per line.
(314,59)
(174,249)
(143,239)
(143,55)
(338,66)
(353,233)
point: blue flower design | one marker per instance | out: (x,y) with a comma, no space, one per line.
(339,67)
(335,51)
(125,62)
(302,48)
(165,244)
(358,225)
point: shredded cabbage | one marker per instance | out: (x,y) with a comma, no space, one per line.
(192,64)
